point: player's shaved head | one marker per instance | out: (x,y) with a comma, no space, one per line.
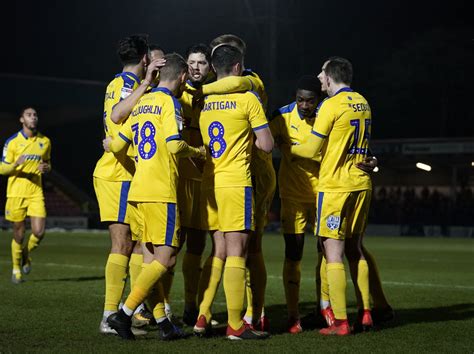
(131,49)
(308,95)
(339,69)
(309,83)
(232,40)
(224,57)
(174,67)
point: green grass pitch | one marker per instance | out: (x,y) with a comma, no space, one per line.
(429,282)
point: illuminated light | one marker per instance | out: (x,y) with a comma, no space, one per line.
(472,163)
(423,166)
(376,169)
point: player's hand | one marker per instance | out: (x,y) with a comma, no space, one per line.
(44,167)
(202,151)
(186,122)
(106,143)
(151,76)
(20,160)
(368,164)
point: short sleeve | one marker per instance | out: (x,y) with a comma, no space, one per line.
(172,120)
(324,121)
(257,117)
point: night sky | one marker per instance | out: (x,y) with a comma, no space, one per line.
(413,60)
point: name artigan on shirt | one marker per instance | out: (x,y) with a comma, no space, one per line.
(219,105)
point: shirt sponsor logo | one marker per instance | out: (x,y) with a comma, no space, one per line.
(125,92)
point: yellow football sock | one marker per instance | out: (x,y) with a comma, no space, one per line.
(149,275)
(324,281)
(167,281)
(33,243)
(234,288)
(135,267)
(318,278)
(209,293)
(191,274)
(16,256)
(156,300)
(115,276)
(258,283)
(291,282)
(337,289)
(363,283)
(375,283)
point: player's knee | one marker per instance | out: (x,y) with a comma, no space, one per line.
(124,247)
(38,232)
(293,253)
(196,242)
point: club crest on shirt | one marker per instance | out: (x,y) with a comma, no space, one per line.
(41,145)
(333,222)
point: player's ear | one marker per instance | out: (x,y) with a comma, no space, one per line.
(145,60)
(237,68)
(184,76)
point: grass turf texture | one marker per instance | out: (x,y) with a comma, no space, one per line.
(427,280)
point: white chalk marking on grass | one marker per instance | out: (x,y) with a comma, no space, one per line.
(398,283)
(429,285)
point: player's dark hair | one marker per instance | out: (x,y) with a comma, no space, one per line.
(224,57)
(131,49)
(152,47)
(200,48)
(309,83)
(232,40)
(175,66)
(339,69)
(22,111)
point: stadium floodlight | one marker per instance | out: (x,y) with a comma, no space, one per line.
(472,163)
(376,169)
(423,166)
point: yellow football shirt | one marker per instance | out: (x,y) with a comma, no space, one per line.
(25,180)
(226,124)
(155,120)
(120,166)
(297,177)
(344,121)
(187,169)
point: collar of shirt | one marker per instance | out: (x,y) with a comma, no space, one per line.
(135,77)
(162,89)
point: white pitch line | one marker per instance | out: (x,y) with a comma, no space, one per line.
(306,279)
(398,283)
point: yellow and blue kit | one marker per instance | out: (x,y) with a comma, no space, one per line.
(120,166)
(25,180)
(297,177)
(227,123)
(113,172)
(344,122)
